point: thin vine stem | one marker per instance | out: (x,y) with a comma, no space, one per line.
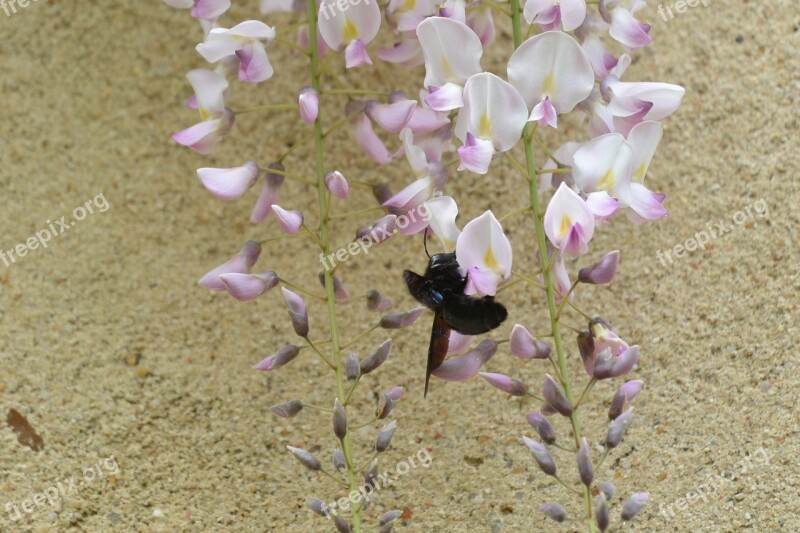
(536,209)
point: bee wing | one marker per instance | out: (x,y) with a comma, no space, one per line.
(437,351)
(473,316)
(422,289)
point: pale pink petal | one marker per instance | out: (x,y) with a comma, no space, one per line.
(459,343)
(210,9)
(465,366)
(545,114)
(445,98)
(369,141)
(481,21)
(391,117)
(628,97)
(308,103)
(229,183)
(246,287)
(644,204)
(481,282)
(337,184)
(254,65)
(568,222)
(269,194)
(209,89)
(202,137)
(601,205)
(425,120)
(290,221)
(413,195)
(628,31)
(406,53)
(356,54)
(573,13)
(476,155)
(241,263)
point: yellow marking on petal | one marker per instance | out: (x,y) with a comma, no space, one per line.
(549,85)
(491,260)
(606,183)
(485,127)
(639,174)
(566,223)
(350,32)
(448,70)
(408,5)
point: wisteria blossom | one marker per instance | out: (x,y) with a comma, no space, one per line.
(568,222)
(484,253)
(209,89)
(245,41)
(351,28)
(555,14)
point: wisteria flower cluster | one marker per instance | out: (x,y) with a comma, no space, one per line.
(566,63)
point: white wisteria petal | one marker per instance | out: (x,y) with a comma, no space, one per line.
(644,139)
(229,183)
(551,64)
(602,164)
(445,98)
(443,212)
(452,51)
(209,89)
(358,22)
(475,155)
(628,98)
(493,110)
(483,244)
(568,222)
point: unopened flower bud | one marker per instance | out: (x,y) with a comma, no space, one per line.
(342,525)
(377,302)
(523,345)
(625,362)
(246,287)
(241,263)
(339,420)
(608,489)
(553,511)
(634,504)
(337,184)
(351,367)
(308,102)
(340,292)
(555,397)
(279,358)
(307,460)
(601,272)
(385,406)
(379,232)
(585,467)
(287,409)
(389,516)
(507,384)
(617,428)
(317,505)
(385,436)
(371,475)
(601,513)
(586,348)
(542,427)
(297,312)
(627,392)
(542,456)
(395,393)
(376,358)
(401,320)
(339,461)
(289,221)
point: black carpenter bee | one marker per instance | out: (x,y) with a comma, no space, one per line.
(442,289)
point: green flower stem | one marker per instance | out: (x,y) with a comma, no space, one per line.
(324,237)
(536,208)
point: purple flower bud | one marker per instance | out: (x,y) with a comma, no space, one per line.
(297,312)
(382,193)
(617,428)
(342,525)
(608,489)
(377,302)
(339,461)
(317,505)
(389,516)
(542,456)
(241,263)
(246,287)
(308,102)
(279,358)
(601,513)
(525,346)
(585,467)
(634,504)
(395,393)
(337,184)
(307,460)
(509,385)
(554,395)
(339,420)
(542,427)
(387,528)
(385,436)
(376,358)
(351,368)
(603,364)
(553,511)
(287,409)
(627,391)
(340,292)
(625,362)
(371,475)
(465,366)
(385,406)
(401,320)
(601,272)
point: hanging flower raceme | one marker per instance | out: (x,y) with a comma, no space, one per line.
(353,27)
(491,121)
(568,222)
(553,75)
(452,55)
(612,166)
(484,253)
(555,14)
(209,89)
(245,41)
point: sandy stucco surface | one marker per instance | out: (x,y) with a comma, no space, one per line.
(110,349)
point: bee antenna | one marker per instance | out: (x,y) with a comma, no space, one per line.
(425,243)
